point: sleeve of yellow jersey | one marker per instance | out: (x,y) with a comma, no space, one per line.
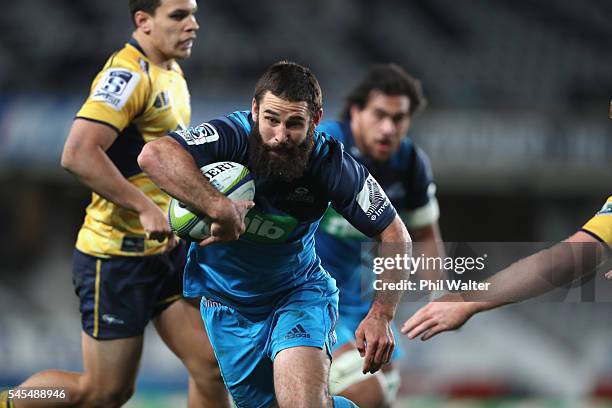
(118,94)
(600,226)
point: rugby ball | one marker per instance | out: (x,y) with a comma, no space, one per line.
(231,179)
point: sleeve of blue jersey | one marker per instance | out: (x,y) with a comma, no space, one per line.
(346,179)
(220,139)
(418,178)
(331,128)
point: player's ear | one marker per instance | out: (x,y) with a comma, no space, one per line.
(143,22)
(315,121)
(318,117)
(254,109)
(354,110)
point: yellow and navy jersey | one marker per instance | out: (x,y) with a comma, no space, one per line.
(142,102)
(600,226)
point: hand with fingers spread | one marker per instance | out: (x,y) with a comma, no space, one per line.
(228,221)
(375,342)
(449,312)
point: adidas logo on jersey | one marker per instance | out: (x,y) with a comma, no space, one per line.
(297,332)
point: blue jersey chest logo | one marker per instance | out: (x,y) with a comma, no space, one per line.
(268,228)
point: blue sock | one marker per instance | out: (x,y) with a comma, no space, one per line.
(341,402)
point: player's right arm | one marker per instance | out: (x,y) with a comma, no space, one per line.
(118,95)
(575,257)
(85,157)
(171,163)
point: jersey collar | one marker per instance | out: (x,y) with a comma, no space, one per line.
(135,44)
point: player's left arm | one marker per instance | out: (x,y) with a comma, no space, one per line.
(361,200)
(374,338)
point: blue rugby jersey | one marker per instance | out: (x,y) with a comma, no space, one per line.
(277,253)
(408,182)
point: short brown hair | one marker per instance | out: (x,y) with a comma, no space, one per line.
(390,79)
(148,6)
(293,82)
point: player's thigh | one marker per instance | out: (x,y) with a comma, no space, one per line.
(304,318)
(118,295)
(300,346)
(110,366)
(181,327)
(239,345)
(391,382)
(347,379)
(300,377)
(366,390)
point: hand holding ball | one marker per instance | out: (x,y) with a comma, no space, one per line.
(231,179)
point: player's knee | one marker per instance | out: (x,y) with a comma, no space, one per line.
(111,396)
(302,394)
(302,398)
(114,397)
(208,379)
(204,370)
(368,393)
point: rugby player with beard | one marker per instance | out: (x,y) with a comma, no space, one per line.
(269,307)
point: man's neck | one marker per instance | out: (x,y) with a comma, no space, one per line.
(152,53)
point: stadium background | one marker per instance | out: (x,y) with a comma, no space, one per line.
(517,130)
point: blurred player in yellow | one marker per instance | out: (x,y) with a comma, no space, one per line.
(127,265)
(524,279)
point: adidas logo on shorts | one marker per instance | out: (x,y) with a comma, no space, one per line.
(297,332)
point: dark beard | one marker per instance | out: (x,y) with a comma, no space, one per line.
(288,167)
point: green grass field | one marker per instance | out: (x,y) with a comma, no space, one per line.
(170,400)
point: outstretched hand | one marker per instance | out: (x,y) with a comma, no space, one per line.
(449,312)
